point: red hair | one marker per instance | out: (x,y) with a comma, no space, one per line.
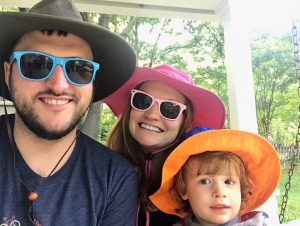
(211,163)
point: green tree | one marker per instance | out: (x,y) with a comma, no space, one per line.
(275,86)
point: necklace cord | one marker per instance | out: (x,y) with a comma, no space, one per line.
(62,157)
(11,140)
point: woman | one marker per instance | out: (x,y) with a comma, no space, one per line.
(154,109)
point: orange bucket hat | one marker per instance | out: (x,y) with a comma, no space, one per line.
(259,156)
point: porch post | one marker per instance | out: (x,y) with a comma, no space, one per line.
(240,83)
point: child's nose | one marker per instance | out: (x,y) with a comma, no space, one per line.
(219,191)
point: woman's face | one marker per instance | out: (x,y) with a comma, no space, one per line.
(149,128)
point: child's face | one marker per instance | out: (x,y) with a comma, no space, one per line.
(214,199)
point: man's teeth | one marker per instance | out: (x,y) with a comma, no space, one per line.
(56,102)
(152,128)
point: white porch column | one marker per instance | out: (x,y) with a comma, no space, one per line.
(238,62)
(239,66)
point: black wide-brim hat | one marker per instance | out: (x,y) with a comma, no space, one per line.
(116,57)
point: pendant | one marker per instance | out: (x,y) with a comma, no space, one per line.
(33,196)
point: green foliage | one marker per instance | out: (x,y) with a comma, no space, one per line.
(197,49)
(292,211)
(275,86)
(107,120)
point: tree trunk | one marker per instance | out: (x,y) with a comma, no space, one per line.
(91,124)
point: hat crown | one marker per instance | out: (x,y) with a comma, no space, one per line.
(175,73)
(60,8)
(62,15)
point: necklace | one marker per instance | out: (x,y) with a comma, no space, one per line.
(33,195)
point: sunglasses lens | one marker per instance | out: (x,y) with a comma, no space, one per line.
(141,101)
(80,71)
(35,66)
(170,110)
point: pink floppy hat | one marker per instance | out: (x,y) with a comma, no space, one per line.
(208,108)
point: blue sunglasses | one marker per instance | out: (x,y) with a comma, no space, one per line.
(38,66)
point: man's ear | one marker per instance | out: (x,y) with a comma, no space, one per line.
(7,72)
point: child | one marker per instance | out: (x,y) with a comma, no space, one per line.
(217,177)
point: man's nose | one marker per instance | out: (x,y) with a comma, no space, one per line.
(58,81)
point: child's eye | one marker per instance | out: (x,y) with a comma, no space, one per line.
(229,181)
(205,181)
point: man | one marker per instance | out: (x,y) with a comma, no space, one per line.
(54,66)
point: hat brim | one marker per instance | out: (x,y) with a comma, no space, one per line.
(208,108)
(116,57)
(259,156)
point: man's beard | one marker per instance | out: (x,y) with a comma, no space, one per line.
(32,122)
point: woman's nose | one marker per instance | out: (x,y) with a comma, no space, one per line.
(153,112)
